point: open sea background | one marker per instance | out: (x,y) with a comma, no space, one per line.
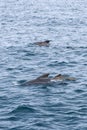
(58,106)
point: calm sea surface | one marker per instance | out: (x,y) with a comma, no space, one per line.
(58,106)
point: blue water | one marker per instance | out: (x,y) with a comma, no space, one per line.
(58,106)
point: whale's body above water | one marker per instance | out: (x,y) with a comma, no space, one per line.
(44,79)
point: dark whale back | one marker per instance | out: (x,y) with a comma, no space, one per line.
(40,80)
(44,43)
(43,76)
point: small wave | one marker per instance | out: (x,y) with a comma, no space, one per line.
(79,91)
(18,83)
(56,63)
(8,118)
(16,128)
(21,81)
(23,109)
(13,118)
(15,83)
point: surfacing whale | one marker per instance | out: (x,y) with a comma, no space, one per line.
(44,43)
(63,77)
(45,79)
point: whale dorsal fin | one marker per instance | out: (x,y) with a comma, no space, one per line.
(44,76)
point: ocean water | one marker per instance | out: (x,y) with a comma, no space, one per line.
(57,106)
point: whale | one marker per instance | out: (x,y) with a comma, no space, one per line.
(45,79)
(43,43)
(63,77)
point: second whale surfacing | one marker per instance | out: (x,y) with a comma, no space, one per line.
(43,43)
(45,79)
(63,77)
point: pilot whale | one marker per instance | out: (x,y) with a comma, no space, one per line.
(40,80)
(44,43)
(63,77)
(45,79)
